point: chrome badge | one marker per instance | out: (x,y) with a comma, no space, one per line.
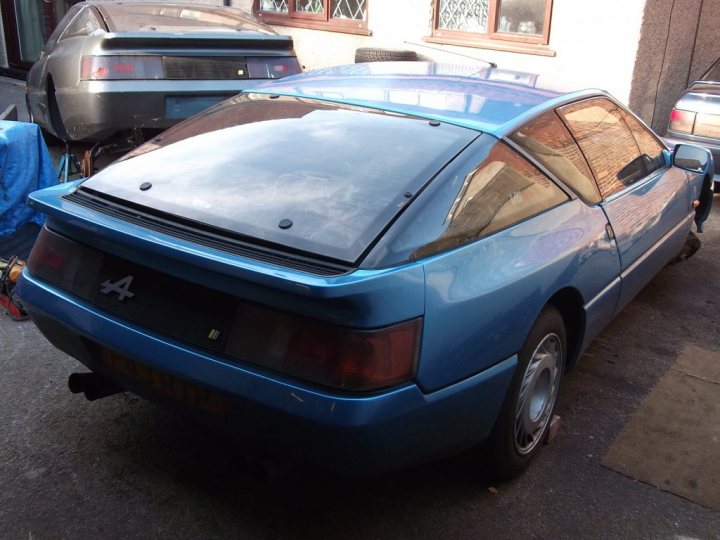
(121,287)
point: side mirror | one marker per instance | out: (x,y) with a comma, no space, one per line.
(691,158)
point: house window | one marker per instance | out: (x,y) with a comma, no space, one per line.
(336,15)
(466,21)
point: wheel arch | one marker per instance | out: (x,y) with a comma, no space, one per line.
(569,303)
(54,116)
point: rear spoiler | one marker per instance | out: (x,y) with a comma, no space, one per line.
(160,41)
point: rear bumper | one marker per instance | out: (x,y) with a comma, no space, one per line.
(345,433)
(94,110)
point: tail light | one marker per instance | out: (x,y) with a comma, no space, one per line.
(260,67)
(48,257)
(683,121)
(105,68)
(707,125)
(58,260)
(330,355)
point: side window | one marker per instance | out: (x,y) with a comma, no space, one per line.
(547,140)
(52,40)
(502,191)
(83,25)
(603,135)
(648,144)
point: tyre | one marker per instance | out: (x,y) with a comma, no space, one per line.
(524,421)
(371,54)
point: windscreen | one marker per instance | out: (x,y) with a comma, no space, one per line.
(312,176)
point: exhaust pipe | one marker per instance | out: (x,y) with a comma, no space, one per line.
(92,385)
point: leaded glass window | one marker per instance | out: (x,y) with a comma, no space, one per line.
(340,15)
(274,5)
(476,20)
(464,15)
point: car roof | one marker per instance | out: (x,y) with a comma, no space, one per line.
(486,99)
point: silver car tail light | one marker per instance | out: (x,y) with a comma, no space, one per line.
(103,68)
(682,121)
(260,67)
(707,125)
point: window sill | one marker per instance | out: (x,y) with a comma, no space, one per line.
(494,45)
(346,27)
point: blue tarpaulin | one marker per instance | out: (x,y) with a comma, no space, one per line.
(25,166)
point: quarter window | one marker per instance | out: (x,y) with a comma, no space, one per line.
(547,140)
(83,25)
(616,153)
(337,15)
(502,191)
(526,21)
(645,140)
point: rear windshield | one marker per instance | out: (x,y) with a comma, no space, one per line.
(312,176)
(156,17)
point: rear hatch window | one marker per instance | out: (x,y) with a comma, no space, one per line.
(309,176)
(123,17)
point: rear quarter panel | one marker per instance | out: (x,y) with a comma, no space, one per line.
(483,298)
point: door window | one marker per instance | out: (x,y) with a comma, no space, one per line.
(601,130)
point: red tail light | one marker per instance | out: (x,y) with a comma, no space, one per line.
(48,256)
(340,357)
(260,67)
(682,121)
(98,68)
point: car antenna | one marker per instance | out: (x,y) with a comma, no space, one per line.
(491,64)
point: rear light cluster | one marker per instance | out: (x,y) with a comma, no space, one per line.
(682,121)
(324,353)
(105,68)
(327,354)
(271,68)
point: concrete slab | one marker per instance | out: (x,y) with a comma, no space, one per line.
(673,440)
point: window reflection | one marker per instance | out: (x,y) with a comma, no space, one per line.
(618,148)
(309,6)
(605,140)
(547,139)
(522,17)
(505,189)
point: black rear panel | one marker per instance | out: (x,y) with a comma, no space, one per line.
(197,68)
(186,311)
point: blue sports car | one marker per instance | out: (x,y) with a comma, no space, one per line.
(366,266)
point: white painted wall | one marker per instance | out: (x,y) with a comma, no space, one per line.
(595,42)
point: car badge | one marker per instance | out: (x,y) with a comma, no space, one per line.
(121,287)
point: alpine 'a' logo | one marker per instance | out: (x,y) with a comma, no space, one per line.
(121,287)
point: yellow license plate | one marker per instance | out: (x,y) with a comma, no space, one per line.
(165,384)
